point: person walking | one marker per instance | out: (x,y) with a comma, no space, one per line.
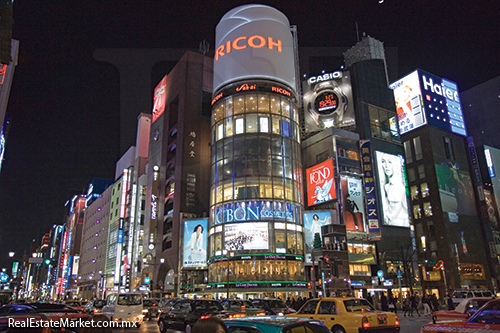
(406,305)
(427,307)
(383,302)
(414,300)
(449,301)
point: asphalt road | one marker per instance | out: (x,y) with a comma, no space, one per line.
(408,325)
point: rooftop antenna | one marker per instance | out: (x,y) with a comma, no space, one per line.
(357,31)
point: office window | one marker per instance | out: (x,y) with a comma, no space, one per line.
(417,212)
(448,148)
(427,209)
(431,228)
(239,125)
(383,124)
(418,148)
(322,157)
(424,188)
(411,174)
(408,153)
(264,124)
(252,123)
(421,171)
(414,193)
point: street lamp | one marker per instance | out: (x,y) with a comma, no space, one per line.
(11,254)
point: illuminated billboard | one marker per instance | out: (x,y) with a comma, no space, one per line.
(195,243)
(3,129)
(423,98)
(353,202)
(159,98)
(455,191)
(320,183)
(313,221)
(328,101)
(493,162)
(392,185)
(246,236)
(254,42)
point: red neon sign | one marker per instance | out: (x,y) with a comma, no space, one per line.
(242,42)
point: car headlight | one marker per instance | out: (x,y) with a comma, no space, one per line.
(144,310)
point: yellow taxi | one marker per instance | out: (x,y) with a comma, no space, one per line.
(348,315)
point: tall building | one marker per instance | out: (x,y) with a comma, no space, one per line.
(443,186)
(255,227)
(178,175)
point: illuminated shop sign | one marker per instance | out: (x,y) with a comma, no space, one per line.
(2,140)
(252,86)
(328,101)
(254,41)
(423,98)
(489,163)
(254,211)
(160,95)
(259,284)
(320,183)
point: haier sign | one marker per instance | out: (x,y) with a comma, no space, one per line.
(423,98)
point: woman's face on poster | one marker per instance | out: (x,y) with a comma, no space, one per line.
(198,230)
(387,166)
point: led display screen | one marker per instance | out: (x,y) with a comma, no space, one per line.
(254,41)
(423,98)
(320,183)
(313,221)
(455,191)
(353,203)
(392,185)
(195,243)
(159,98)
(328,101)
(246,236)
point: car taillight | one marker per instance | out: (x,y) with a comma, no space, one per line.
(237,315)
(260,314)
(243,307)
(204,317)
(396,323)
(365,323)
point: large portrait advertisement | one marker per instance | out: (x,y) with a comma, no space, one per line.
(455,191)
(353,202)
(313,221)
(195,243)
(392,185)
(246,236)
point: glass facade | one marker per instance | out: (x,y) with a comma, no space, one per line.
(256,231)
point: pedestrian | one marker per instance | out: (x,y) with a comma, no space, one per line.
(414,300)
(209,325)
(369,298)
(451,306)
(406,305)
(427,307)
(434,302)
(384,303)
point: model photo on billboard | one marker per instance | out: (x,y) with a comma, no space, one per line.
(392,189)
(195,243)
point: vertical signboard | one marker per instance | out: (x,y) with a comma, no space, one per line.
(369,189)
(313,221)
(320,183)
(159,98)
(353,203)
(194,254)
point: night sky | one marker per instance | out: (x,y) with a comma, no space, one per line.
(64,106)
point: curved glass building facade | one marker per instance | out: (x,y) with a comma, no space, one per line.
(256,236)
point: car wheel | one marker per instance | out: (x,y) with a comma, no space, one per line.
(162,326)
(337,329)
(187,329)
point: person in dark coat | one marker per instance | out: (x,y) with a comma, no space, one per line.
(414,300)
(383,302)
(451,306)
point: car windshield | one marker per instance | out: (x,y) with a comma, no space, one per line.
(202,306)
(277,304)
(148,303)
(459,294)
(239,304)
(358,305)
(129,299)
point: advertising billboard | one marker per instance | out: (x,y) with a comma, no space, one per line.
(353,203)
(246,236)
(423,98)
(313,221)
(195,243)
(320,183)
(328,101)
(455,191)
(3,129)
(254,42)
(369,189)
(159,98)
(392,185)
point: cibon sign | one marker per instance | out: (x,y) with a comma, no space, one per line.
(254,42)
(423,98)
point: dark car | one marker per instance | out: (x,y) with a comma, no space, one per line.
(151,308)
(243,306)
(275,325)
(36,308)
(185,313)
(273,307)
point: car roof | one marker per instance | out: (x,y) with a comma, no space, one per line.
(269,321)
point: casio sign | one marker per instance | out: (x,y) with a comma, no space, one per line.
(324,77)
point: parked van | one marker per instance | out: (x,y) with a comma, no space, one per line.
(124,307)
(459,294)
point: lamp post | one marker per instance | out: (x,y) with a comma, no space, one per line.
(154,264)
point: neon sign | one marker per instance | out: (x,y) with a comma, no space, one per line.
(242,42)
(252,211)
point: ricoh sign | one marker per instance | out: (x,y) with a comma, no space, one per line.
(423,98)
(254,42)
